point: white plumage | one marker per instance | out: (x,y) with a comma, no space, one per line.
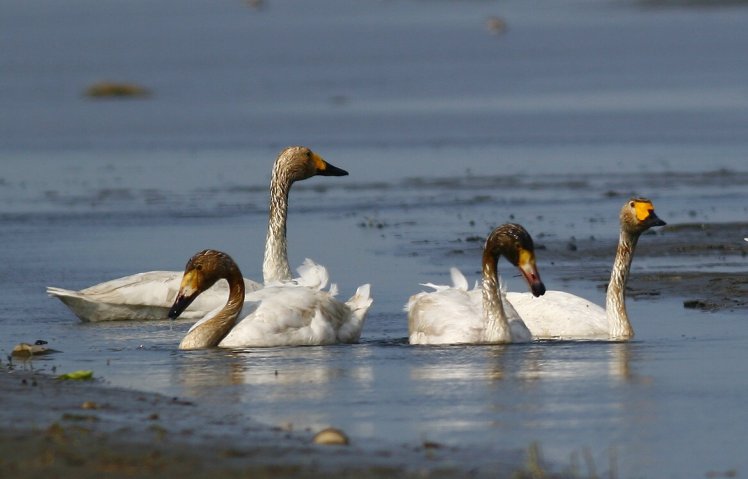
(292,313)
(456,315)
(148,296)
(561,315)
(141,296)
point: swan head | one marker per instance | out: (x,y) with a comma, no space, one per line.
(514,243)
(638,215)
(299,163)
(202,272)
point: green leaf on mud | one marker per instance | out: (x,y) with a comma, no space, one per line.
(80,375)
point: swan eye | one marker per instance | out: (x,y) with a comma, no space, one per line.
(631,204)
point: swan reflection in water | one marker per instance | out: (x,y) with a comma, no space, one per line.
(294,379)
(509,395)
(536,387)
(550,360)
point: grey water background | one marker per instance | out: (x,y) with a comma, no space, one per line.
(447,130)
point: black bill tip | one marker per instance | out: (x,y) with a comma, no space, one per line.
(537,288)
(331,170)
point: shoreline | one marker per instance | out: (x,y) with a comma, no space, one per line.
(59,428)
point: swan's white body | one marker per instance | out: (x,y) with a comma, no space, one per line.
(561,315)
(148,296)
(299,313)
(292,313)
(454,315)
(141,296)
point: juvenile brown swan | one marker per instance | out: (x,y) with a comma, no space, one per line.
(290,313)
(453,315)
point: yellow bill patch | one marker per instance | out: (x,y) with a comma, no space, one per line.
(526,257)
(319,163)
(190,281)
(643,209)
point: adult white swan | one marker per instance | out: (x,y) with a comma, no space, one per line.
(454,315)
(149,295)
(560,315)
(289,313)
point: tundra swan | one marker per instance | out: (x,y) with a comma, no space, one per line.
(453,315)
(290,313)
(149,295)
(561,315)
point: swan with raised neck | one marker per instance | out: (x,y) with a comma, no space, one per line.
(293,164)
(148,296)
(561,315)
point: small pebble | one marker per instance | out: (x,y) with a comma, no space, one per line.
(496,25)
(116,90)
(331,436)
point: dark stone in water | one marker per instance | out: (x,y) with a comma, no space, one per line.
(699,304)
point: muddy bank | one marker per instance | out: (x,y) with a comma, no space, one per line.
(702,263)
(85,429)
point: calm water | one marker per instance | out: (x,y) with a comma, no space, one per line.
(447,130)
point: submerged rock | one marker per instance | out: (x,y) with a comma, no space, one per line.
(116,90)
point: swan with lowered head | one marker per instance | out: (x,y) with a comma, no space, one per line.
(454,315)
(561,315)
(291,313)
(148,296)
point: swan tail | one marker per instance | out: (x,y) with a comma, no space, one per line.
(74,300)
(312,275)
(362,300)
(458,279)
(435,287)
(359,305)
(60,292)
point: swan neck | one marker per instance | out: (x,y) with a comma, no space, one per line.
(615,299)
(275,266)
(496,326)
(211,331)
